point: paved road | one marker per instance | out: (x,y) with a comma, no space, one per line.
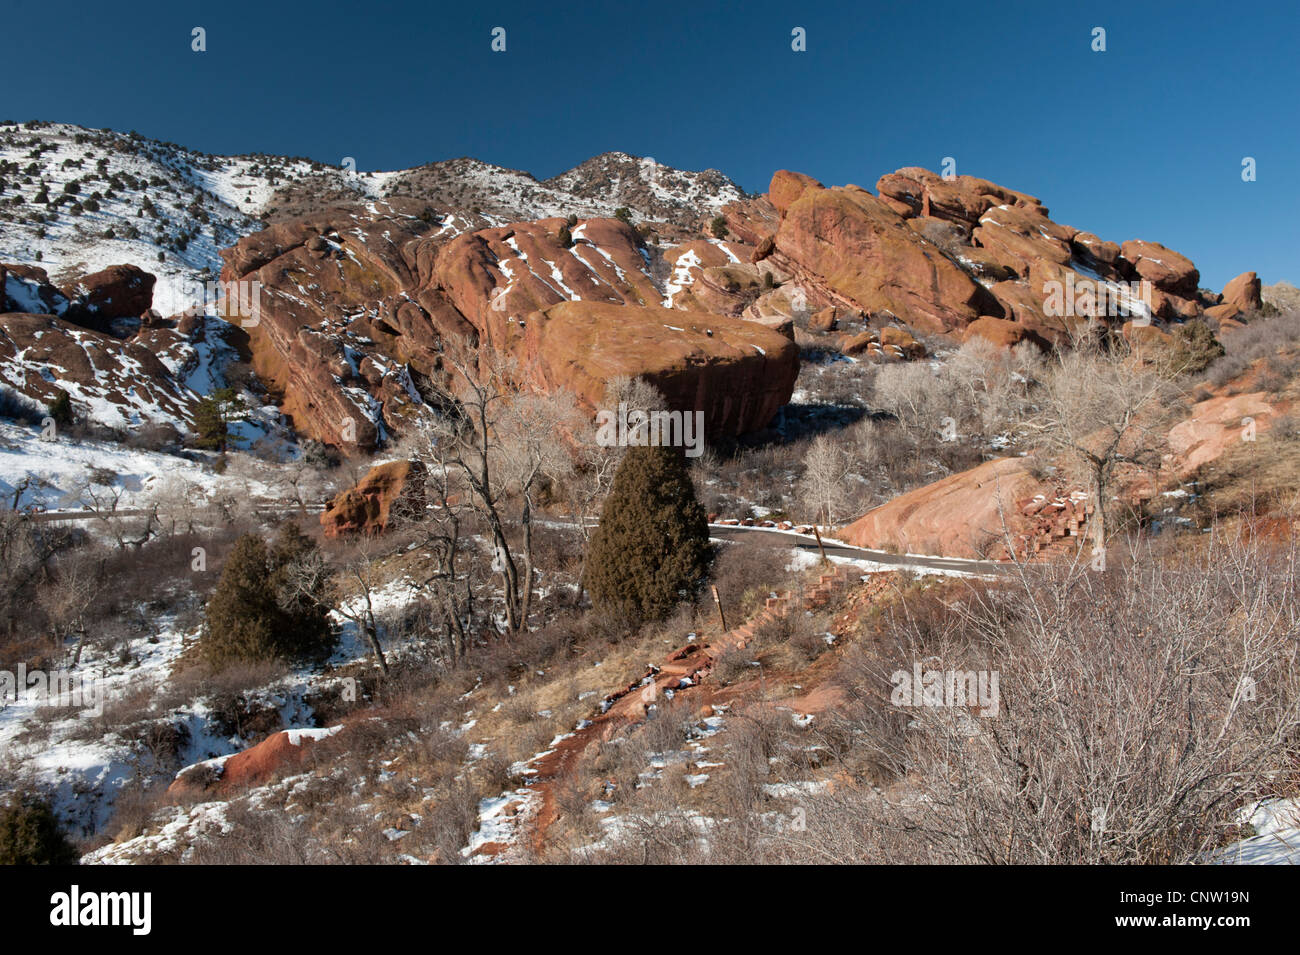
(808,542)
(717,531)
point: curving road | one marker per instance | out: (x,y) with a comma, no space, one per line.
(809,543)
(716,531)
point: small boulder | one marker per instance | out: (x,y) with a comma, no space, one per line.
(1244,292)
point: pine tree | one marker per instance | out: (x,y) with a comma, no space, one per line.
(300,597)
(60,409)
(30,834)
(212,417)
(651,549)
(242,613)
(255,614)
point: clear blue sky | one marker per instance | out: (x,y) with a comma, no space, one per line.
(1145,140)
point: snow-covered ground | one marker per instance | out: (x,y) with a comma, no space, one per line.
(83,765)
(52,475)
(1277,836)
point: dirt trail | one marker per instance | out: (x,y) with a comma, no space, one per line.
(686,669)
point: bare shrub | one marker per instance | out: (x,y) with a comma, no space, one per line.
(1139,710)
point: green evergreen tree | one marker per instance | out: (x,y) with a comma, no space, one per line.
(258,613)
(30,834)
(298,580)
(60,409)
(651,549)
(213,416)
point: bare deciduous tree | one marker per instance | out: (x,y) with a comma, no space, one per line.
(1100,409)
(822,486)
(505,444)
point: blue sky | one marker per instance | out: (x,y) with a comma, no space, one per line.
(1145,140)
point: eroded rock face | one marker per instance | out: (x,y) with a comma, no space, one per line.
(254,766)
(738,373)
(852,249)
(369,507)
(354,307)
(939,254)
(1215,425)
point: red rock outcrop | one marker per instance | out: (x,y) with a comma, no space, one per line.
(850,248)
(368,507)
(1162,267)
(355,307)
(970,249)
(1243,292)
(254,766)
(964,515)
(1002,332)
(738,373)
(119,291)
(27,288)
(119,383)
(1215,425)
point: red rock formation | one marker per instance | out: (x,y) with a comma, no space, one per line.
(1243,292)
(119,291)
(1215,425)
(368,507)
(353,306)
(254,766)
(850,248)
(123,381)
(964,515)
(738,373)
(1162,267)
(1003,332)
(971,250)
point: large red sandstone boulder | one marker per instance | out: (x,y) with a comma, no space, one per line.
(1215,425)
(738,373)
(1162,267)
(787,187)
(119,291)
(1089,246)
(1003,332)
(964,199)
(368,507)
(963,515)
(853,249)
(1223,313)
(1243,292)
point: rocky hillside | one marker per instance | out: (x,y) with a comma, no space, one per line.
(75,200)
(597,187)
(362,277)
